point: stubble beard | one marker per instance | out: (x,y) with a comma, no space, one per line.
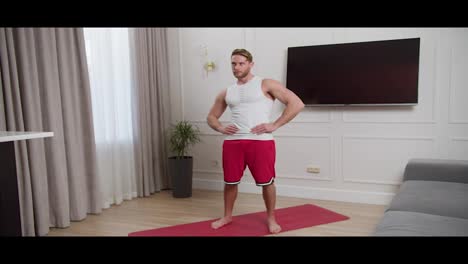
(241,75)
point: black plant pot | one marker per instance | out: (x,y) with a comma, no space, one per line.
(181,171)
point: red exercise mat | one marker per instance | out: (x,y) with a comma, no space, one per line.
(253,224)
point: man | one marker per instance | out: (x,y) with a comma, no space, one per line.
(249,140)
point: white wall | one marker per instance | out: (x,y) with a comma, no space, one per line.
(361,151)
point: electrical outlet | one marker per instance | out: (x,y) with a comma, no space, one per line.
(313,169)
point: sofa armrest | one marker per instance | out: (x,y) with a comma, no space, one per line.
(437,170)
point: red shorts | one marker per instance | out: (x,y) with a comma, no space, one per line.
(259,155)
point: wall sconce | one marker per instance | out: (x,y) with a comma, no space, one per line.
(209,65)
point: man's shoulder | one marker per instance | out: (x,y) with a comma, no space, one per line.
(223,91)
(269,83)
(270,80)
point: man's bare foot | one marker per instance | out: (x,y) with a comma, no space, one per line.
(273,226)
(221,222)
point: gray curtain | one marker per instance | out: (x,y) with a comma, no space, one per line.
(2,105)
(150,65)
(45,87)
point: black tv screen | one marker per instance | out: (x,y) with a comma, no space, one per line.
(363,73)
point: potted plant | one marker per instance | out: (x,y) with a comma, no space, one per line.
(182,137)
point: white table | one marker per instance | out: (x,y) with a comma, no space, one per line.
(10,217)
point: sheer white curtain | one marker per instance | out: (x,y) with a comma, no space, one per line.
(108,55)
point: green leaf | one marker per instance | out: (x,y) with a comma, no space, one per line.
(183,136)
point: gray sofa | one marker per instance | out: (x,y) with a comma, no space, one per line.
(432,201)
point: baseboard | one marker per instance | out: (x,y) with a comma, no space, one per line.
(351,196)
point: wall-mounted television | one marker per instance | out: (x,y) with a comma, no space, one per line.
(381,72)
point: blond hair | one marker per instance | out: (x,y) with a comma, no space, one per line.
(243,52)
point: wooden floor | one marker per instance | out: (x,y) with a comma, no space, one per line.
(161,210)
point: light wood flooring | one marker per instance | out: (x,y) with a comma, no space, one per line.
(161,210)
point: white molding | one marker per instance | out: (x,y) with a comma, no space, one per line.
(327,178)
(199,121)
(254,41)
(455,121)
(212,134)
(297,120)
(431,121)
(301,135)
(387,137)
(305,121)
(245,38)
(458,139)
(281,175)
(201,171)
(453,143)
(358,180)
(365,197)
(249,39)
(434,86)
(392,122)
(280,135)
(450,92)
(290,176)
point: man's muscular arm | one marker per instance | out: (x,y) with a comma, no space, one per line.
(293,103)
(215,113)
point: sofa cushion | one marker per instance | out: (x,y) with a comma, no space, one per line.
(400,223)
(436,170)
(432,197)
